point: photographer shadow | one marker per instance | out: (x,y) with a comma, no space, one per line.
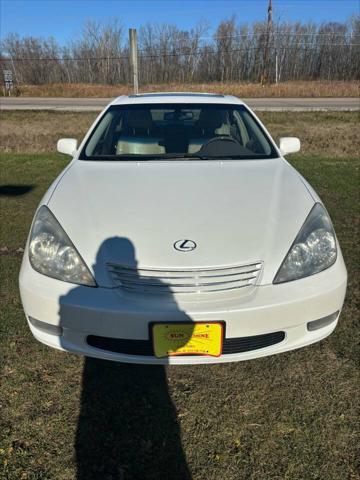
(127,426)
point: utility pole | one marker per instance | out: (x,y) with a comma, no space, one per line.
(134,58)
(265,73)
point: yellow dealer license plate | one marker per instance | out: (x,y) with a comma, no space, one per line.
(187,339)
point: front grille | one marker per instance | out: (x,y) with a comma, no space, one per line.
(145,348)
(184,281)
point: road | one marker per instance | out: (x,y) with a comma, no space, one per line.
(260,104)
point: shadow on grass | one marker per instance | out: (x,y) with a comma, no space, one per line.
(127,427)
(15,190)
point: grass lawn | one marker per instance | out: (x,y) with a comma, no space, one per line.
(290,416)
(307,88)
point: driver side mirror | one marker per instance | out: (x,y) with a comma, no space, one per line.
(289,145)
(67,146)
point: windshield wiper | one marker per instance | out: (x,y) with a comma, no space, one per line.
(126,157)
(150,156)
(168,156)
(230,157)
(208,157)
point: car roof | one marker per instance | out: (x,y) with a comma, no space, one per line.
(176,97)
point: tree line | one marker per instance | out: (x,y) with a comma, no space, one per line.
(233,53)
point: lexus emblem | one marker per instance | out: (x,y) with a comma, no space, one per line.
(184,245)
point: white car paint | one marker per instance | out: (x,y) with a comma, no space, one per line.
(237,212)
(189,198)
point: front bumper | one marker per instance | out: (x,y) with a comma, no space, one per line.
(83,311)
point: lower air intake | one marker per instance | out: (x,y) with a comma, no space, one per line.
(145,348)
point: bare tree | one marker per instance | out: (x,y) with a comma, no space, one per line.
(236,52)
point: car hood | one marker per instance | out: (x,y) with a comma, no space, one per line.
(132,213)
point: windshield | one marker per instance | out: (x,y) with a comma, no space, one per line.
(177,131)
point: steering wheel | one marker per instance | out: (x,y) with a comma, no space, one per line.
(221,138)
(221,145)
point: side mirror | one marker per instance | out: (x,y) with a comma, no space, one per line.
(289,145)
(67,146)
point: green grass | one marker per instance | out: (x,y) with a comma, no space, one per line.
(290,416)
(34,172)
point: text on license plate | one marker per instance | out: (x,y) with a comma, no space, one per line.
(187,339)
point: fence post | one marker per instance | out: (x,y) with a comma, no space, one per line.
(134,58)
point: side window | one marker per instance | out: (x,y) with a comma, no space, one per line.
(95,145)
(103,142)
(257,141)
(242,132)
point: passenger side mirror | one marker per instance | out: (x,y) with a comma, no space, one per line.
(289,145)
(67,146)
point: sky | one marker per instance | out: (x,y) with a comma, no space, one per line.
(63,19)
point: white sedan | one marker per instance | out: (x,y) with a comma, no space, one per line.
(179,234)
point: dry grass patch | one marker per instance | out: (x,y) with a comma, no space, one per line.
(321,133)
(38,131)
(333,133)
(284,89)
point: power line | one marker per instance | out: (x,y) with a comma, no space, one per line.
(277,34)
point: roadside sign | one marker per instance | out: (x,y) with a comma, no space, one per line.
(8,79)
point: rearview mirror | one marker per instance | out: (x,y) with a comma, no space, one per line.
(289,145)
(67,146)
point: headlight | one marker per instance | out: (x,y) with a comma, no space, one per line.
(313,250)
(52,253)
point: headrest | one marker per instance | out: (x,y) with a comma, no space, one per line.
(139,119)
(210,119)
